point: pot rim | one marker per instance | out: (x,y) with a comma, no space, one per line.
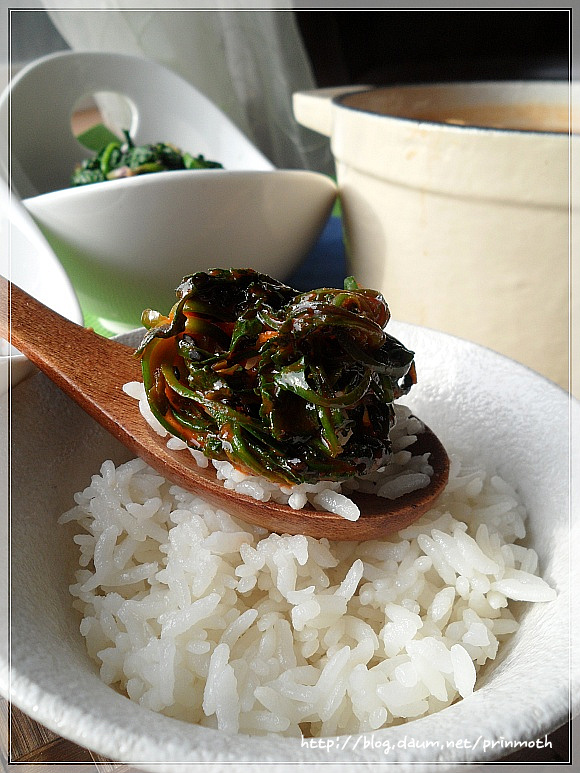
(341,102)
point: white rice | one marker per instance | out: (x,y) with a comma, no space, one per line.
(403,473)
(197,615)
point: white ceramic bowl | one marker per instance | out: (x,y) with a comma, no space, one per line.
(127,243)
(476,400)
(456,204)
(27,260)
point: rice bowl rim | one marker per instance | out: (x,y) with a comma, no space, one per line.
(141,736)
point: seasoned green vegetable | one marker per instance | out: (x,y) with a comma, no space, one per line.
(292,386)
(126,159)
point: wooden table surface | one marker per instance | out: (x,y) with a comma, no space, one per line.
(27,743)
(22,740)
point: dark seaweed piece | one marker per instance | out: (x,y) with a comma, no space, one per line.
(295,387)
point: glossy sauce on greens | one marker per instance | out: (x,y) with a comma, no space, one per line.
(295,387)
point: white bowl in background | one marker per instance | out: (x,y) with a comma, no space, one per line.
(28,261)
(478,402)
(127,243)
(456,204)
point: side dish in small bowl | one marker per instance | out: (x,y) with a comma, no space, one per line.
(127,242)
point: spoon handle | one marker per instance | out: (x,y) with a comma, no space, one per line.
(92,370)
(89,368)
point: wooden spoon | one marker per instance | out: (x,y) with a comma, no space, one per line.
(92,370)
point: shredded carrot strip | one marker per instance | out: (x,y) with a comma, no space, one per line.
(267,334)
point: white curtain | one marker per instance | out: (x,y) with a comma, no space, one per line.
(248,62)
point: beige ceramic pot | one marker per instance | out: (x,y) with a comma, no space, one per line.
(456,204)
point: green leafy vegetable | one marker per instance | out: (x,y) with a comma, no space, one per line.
(125,159)
(292,386)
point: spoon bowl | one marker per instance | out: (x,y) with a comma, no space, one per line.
(92,370)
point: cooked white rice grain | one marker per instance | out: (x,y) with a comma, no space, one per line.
(194,614)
